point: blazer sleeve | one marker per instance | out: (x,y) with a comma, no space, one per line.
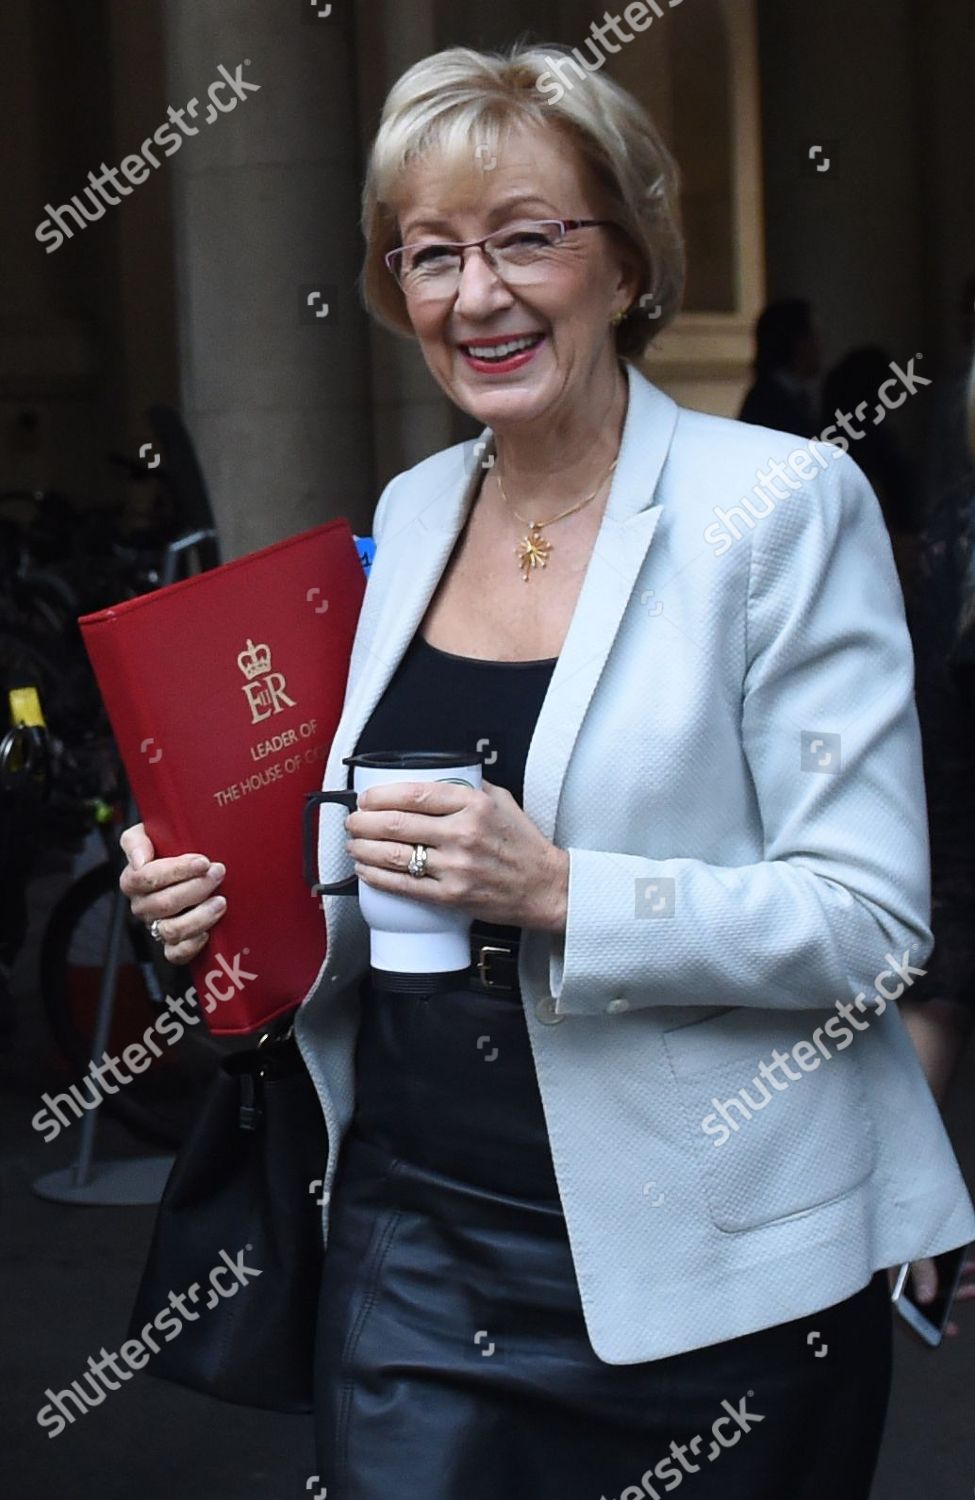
(842,893)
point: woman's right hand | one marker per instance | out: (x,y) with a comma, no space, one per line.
(176,892)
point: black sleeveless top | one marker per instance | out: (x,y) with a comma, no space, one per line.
(436,700)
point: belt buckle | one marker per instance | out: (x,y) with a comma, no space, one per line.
(483,951)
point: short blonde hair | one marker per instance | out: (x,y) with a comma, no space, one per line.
(459,102)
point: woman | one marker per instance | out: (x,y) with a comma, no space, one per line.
(569,1253)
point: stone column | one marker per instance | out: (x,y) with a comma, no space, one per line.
(413,416)
(276,391)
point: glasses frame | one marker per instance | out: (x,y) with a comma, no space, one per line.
(565,226)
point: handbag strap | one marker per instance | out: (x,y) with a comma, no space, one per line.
(251,1109)
(276,1053)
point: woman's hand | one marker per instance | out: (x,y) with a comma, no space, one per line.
(924,1279)
(966,1286)
(484,854)
(178,892)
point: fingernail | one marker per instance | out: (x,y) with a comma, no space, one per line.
(199,863)
(219,902)
(217,869)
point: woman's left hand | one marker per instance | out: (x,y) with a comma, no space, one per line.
(924,1279)
(484,854)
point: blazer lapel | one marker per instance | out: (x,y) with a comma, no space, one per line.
(624,536)
(425,545)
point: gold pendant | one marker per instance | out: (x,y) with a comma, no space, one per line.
(532,551)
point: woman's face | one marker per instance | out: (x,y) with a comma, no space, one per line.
(535,176)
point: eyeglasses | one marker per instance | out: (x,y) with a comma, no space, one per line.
(520,254)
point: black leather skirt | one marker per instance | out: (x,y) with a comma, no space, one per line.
(453,1361)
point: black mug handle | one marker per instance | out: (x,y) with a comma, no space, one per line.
(339,887)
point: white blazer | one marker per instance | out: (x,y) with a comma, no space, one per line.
(728,749)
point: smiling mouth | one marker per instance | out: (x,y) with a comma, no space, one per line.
(498,350)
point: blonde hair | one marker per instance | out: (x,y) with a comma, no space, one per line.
(459,102)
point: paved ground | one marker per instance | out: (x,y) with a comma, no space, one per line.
(67,1277)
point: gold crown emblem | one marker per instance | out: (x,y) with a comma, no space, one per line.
(255,661)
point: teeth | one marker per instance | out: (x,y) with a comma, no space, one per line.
(501,351)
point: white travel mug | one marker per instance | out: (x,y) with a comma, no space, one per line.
(406,936)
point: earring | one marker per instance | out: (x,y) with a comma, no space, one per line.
(617,317)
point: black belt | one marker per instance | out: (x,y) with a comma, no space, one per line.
(493,970)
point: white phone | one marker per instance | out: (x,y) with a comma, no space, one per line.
(929,1319)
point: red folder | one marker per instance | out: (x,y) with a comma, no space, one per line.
(224,692)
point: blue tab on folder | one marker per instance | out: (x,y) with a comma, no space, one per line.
(367,551)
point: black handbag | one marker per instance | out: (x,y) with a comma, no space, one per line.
(240,1219)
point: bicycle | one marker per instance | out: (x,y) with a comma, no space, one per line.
(83,790)
(156,1105)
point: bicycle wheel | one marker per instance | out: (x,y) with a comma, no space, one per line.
(157,1104)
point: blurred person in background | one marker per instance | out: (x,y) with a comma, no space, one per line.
(940,1013)
(787,364)
(855,383)
(950,461)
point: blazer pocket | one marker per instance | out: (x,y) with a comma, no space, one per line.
(780,1142)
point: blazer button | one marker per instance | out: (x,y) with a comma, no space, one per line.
(545,1011)
(617,1005)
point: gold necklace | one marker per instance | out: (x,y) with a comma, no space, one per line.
(533,550)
